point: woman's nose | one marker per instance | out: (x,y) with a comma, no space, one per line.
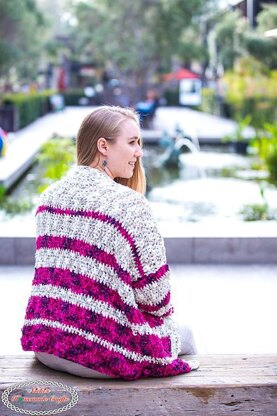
(139,152)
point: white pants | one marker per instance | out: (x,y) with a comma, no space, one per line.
(60,364)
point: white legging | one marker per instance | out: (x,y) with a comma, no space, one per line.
(60,364)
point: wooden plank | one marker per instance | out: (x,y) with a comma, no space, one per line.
(222,385)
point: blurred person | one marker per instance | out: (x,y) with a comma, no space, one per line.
(100,302)
(146,109)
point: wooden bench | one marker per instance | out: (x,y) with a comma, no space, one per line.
(223,385)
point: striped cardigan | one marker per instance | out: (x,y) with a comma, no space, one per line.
(100,294)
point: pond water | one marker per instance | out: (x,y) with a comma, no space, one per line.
(206,186)
(210,186)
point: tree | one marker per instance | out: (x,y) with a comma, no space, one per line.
(228,36)
(139,40)
(235,39)
(259,46)
(267,18)
(20,32)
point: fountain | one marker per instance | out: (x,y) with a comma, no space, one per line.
(174,146)
(188,184)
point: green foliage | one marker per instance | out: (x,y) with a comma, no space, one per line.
(228,172)
(29,106)
(267,18)
(251,89)
(235,39)
(266,142)
(239,133)
(13,206)
(271,162)
(191,46)
(160,29)
(2,192)
(208,104)
(172,97)
(258,212)
(72,96)
(228,37)
(261,48)
(56,157)
(266,145)
(20,47)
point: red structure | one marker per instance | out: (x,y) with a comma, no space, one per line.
(181,73)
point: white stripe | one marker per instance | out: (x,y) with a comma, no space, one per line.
(83,301)
(153,293)
(99,307)
(74,262)
(92,337)
(91,231)
(150,247)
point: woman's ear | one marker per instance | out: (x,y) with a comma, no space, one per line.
(102,146)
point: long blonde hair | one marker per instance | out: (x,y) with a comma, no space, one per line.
(105,122)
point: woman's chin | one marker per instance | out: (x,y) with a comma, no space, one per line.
(127,175)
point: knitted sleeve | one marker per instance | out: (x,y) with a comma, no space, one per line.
(151,286)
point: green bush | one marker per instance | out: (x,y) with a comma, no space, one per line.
(12,205)
(265,144)
(271,162)
(172,97)
(251,89)
(262,110)
(257,212)
(30,106)
(72,97)
(238,136)
(55,159)
(208,104)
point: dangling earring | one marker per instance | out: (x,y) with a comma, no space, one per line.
(104,164)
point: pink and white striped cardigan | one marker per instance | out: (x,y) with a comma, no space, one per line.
(100,294)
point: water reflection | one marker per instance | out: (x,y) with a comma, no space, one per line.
(183,193)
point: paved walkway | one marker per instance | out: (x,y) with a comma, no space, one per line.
(207,127)
(232,309)
(24,144)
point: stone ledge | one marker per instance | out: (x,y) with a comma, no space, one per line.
(226,250)
(185,250)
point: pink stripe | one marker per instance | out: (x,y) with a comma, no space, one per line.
(40,338)
(104,327)
(150,278)
(101,217)
(89,287)
(84,249)
(88,250)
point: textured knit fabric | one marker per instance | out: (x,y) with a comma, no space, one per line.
(100,294)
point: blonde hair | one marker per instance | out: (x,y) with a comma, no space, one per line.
(105,122)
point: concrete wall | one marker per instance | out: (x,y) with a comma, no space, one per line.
(222,250)
(189,250)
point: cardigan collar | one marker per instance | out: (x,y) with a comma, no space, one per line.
(92,173)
